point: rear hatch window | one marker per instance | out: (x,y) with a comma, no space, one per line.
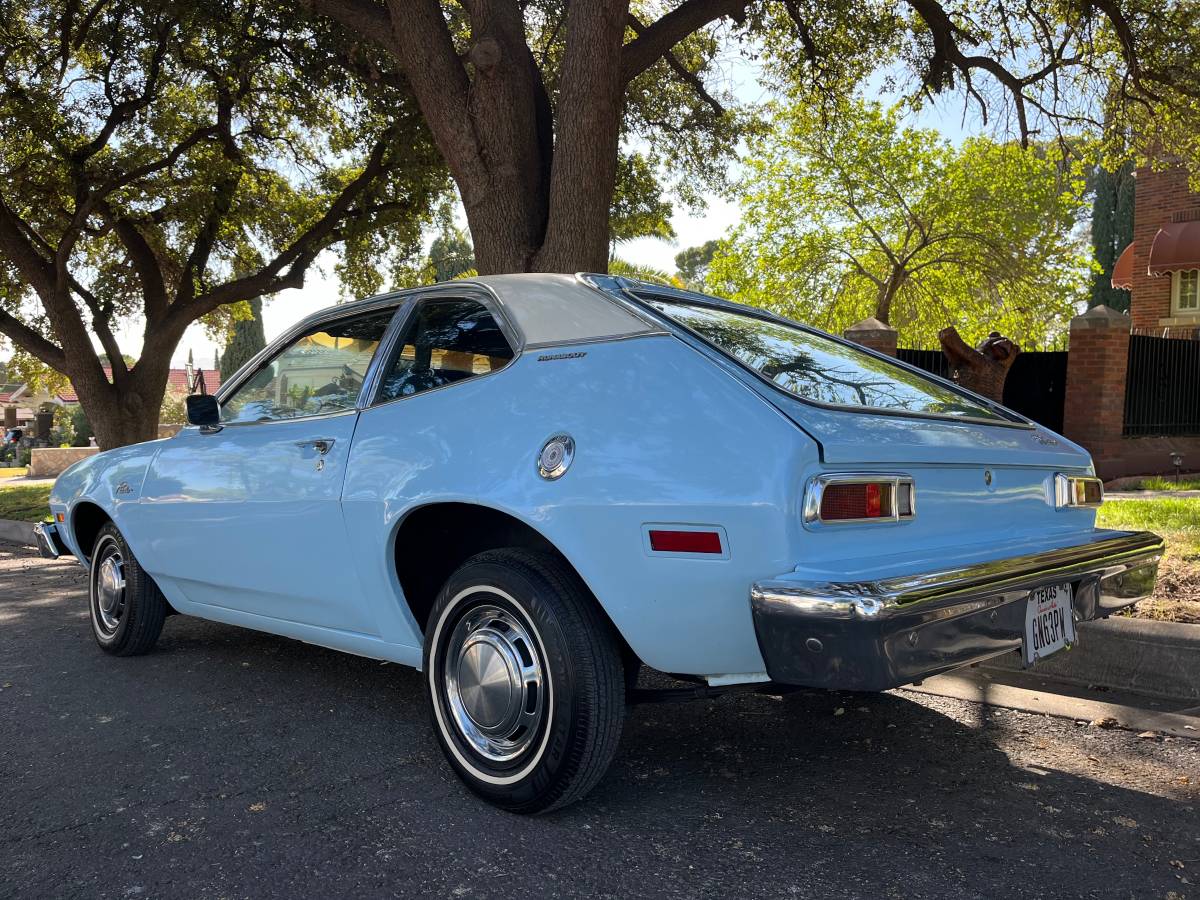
(820,370)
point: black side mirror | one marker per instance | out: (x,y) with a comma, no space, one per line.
(203,409)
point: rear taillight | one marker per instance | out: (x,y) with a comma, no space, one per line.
(859,498)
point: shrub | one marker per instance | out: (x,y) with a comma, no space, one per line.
(82,427)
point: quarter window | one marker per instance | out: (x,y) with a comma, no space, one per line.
(320,372)
(817,368)
(1185,288)
(448,340)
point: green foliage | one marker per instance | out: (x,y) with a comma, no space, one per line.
(184,157)
(638,209)
(245,341)
(855,216)
(173,410)
(81,427)
(618,266)
(692,263)
(1112,230)
(450,255)
(62,427)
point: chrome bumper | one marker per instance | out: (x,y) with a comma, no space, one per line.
(876,635)
(49,543)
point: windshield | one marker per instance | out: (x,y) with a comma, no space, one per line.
(819,369)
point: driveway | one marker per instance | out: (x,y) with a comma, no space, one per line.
(233,764)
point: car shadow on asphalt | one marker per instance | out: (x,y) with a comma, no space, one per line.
(228,754)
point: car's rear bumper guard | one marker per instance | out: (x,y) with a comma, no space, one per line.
(874,635)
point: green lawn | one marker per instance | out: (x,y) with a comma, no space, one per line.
(1177,594)
(26,503)
(1159,483)
(1176,518)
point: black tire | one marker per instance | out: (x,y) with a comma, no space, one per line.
(125,621)
(568,723)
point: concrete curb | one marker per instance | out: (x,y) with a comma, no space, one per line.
(974,686)
(17,532)
(1156,659)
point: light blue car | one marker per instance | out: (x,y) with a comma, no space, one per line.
(529,485)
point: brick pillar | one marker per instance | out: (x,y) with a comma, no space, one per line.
(1094,409)
(874,334)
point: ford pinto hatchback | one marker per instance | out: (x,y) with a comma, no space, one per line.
(528,486)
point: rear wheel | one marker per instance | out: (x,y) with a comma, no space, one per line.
(525,681)
(127,608)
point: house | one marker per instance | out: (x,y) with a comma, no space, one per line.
(179,383)
(19,403)
(1161,267)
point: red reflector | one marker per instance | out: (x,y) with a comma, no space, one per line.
(685,541)
(855,501)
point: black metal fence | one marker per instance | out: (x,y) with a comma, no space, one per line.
(1162,384)
(930,360)
(1036,385)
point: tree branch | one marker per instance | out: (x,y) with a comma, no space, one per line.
(689,77)
(297,256)
(30,341)
(658,38)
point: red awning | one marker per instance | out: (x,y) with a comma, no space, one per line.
(1175,247)
(1122,276)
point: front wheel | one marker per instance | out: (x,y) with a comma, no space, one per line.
(525,681)
(127,608)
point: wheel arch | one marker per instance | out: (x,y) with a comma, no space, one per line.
(434,539)
(87,518)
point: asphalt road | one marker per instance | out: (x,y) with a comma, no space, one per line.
(233,764)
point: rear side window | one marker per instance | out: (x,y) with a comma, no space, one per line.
(447,340)
(818,369)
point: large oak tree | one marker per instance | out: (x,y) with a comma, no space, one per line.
(530,102)
(169,162)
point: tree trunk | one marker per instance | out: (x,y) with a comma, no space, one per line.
(585,150)
(887,293)
(125,410)
(983,369)
(129,416)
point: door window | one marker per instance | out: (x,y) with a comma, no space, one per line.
(321,372)
(448,340)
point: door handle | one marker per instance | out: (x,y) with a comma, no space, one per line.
(321,445)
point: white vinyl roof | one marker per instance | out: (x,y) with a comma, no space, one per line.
(554,309)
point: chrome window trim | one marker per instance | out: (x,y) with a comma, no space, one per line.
(603,339)
(815,490)
(466,290)
(1064,495)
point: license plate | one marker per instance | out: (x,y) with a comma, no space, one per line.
(1049,625)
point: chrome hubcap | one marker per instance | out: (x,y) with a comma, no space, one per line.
(108,585)
(494,682)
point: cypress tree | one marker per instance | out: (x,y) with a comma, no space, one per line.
(1112,230)
(246,340)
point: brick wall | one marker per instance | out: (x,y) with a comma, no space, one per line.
(874,334)
(1158,195)
(1094,409)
